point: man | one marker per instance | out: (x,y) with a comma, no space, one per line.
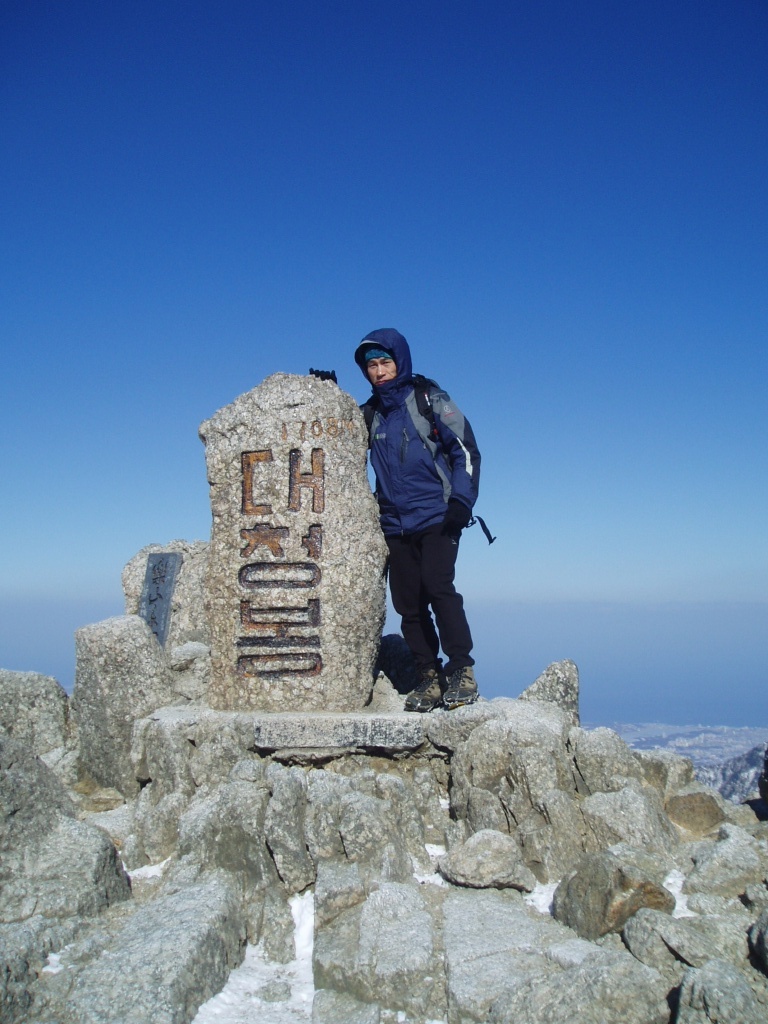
(427,470)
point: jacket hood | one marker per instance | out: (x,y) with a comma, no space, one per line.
(393,342)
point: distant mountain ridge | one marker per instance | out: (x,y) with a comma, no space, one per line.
(727,759)
(736,779)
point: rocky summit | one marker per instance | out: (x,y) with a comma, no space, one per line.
(496,863)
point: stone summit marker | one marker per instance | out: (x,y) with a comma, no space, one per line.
(295,584)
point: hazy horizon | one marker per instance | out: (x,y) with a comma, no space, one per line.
(686,676)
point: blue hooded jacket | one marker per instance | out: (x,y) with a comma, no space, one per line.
(416,473)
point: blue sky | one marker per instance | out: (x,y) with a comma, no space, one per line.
(561,205)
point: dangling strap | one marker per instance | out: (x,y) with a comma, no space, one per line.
(483,527)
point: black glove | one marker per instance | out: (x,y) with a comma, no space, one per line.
(457,517)
(324,374)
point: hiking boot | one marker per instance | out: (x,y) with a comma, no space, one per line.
(428,692)
(461,689)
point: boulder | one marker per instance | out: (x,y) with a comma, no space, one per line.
(34,709)
(727,866)
(558,684)
(665,770)
(717,994)
(505,963)
(122,674)
(74,871)
(371,819)
(488,859)
(171,956)
(517,758)
(284,827)
(339,886)
(671,944)
(755,896)
(758,940)
(604,987)
(225,830)
(447,731)
(175,753)
(277,926)
(605,889)
(370,834)
(602,761)
(383,951)
(696,808)
(24,949)
(54,871)
(191,666)
(384,696)
(30,794)
(633,815)
(330,1007)
(552,835)
(50,864)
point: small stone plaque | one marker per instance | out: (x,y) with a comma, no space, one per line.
(159,581)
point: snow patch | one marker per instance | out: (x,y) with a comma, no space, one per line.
(674,883)
(53,964)
(435,852)
(434,879)
(148,871)
(541,897)
(262,990)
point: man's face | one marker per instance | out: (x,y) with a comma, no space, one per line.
(381,370)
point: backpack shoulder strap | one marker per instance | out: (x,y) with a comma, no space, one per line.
(369,409)
(422,386)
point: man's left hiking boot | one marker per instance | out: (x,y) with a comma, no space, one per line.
(427,694)
(461,689)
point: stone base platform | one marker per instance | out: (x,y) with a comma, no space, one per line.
(389,733)
(306,737)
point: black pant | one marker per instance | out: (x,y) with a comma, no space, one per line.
(421,573)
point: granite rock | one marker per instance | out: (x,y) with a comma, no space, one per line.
(505,964)
(633,815)
(329,1007)
(603,762)
(34,709)
(717,994)
(517,758)
(284,827)
(169,957)
(665,770)
(605,889)
(758,940)
(383,951)
(696,808)
(669,944)
(50,864)
(122,674)
(727,866)
(488,859)
(558,684)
